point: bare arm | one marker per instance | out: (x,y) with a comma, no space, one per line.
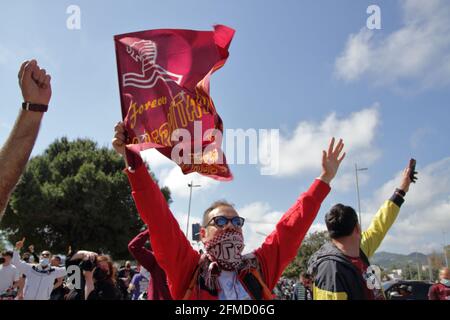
(16,151)
(89,286)
(36,89)
(22,266)
(59,282)
(20,286)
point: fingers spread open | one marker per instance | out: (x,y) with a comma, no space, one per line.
(331,147)
(339,148)
(341,158)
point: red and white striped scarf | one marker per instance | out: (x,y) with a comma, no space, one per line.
(225,249)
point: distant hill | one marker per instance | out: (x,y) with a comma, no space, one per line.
(388,260)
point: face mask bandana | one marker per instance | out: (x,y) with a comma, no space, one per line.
(446,282)
(225,249)
(44,262)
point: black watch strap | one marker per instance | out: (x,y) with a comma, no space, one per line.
(401,192)
(34,107)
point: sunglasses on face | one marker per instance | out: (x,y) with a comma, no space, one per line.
(221,221)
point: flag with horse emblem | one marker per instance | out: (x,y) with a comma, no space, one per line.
(164,80)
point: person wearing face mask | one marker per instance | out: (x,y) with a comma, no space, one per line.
(441,290)
(100,279)
(341,267)
(40,278)
(223,272)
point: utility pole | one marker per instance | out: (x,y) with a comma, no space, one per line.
(445,248)
(430,269)
(357,191)
(419,276)
(190,185)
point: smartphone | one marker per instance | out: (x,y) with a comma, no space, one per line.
(412,167)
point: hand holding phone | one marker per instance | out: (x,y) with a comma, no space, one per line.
(412,170)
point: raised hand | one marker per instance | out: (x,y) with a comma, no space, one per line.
(19,244)
(119,140)
(34,83)
(406,179)
(331,160)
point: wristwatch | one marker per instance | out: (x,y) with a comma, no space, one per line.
(34,107)
(400,192)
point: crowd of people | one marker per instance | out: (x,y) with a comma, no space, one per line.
(46,277)
(169,267)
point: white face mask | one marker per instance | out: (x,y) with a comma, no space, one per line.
(446,282)
(44,262)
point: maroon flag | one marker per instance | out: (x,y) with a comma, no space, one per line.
(164,91)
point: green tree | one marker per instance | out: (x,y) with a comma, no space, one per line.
(74,194)
(310,245)
(409,272)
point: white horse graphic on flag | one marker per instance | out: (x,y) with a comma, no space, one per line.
(146,52)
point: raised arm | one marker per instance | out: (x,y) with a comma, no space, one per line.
(170,245)
(143,255)
(281,246)
(14,155)
(22,266)
(385,217)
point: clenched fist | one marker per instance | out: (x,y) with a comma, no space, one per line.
(119,140)
(34,83)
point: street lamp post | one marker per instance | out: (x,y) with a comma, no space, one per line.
(419,276)
(190,185)
(357,191)
(445,249)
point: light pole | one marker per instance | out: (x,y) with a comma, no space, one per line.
(190,185)
(357,191)
(445,248)
(419,276)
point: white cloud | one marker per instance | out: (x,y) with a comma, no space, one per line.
(423,216)
(317,227)
(178,182)
(260,221)
(419,50)
(181,218)
(302,151)
(419,136)
(170,175)
(155,159)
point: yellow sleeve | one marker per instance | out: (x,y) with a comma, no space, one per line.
(380,225)
(321,294)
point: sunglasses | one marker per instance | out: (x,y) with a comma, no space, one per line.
(221,221)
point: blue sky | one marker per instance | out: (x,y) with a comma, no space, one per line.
(292,64)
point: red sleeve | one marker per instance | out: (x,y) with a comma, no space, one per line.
(172,250)
(433,293)
(143,255)
(281,246)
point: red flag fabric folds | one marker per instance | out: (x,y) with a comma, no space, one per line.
(164,90)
